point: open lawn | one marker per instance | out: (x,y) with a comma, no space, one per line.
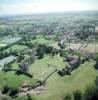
(40,68)
(57,87)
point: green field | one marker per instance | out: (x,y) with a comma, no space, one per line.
(57,87)
(40,39)
(15,48)
(13,80)
(40,67)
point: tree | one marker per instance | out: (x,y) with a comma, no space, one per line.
(34,37)
(20,58)
(77,95)
(89,93)
(5,89)
(67,97)
(40,55)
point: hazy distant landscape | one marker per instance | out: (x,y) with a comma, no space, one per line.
(49,56)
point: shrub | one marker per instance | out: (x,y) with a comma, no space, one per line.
(68,97)
(89,93)
(77,95)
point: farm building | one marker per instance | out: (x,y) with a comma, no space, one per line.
(7,60)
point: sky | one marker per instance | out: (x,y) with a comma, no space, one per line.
(8,7)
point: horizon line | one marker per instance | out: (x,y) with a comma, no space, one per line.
(43,13)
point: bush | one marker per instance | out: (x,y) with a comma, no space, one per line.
(13,93)
(40,55)
(89,93)
(5,89)
(68,97)
(63,53)
(77,95)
